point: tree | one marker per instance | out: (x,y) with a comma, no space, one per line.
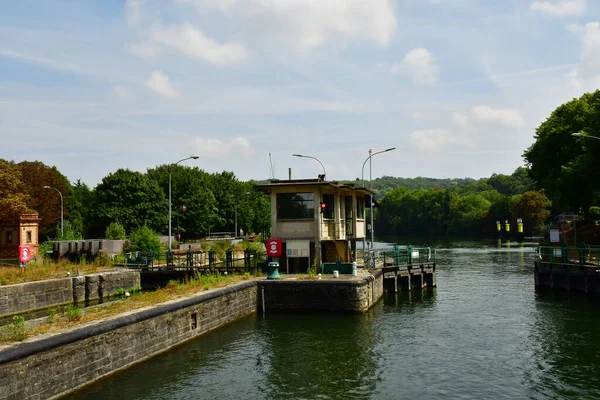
(534,208)
(190,187)
(46,202)
(14,198)
(563,166)
(115,231)
(130,198)
(145,239)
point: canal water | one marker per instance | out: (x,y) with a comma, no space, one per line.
(483,333)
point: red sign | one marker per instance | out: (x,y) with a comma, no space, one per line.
(274,247)
(24,254)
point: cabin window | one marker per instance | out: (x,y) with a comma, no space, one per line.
(360,209)
(28,237)
(328,212)
(295,206)
(348,206)
(9,238)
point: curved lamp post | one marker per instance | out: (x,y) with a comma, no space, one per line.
(193,156)
(371,154)
(62,232)
(580,134)
(303,156)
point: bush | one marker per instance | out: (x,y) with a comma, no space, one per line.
(115,231)
(145,239)
(15,331)
(72,313)
(103,259)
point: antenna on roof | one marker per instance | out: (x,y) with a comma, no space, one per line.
(271,170)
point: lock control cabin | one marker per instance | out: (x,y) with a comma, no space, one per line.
(317,221)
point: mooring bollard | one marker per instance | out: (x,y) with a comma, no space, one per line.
(274,270)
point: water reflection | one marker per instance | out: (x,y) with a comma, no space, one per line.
(323,355)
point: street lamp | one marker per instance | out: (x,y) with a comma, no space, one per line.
(236,207)
(193,156)
(580,134)
(303,156)
(371,154)
(62,232)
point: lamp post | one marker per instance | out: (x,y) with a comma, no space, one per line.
(580,134)
(62,232)
(371,154)
(303,156)
(236,207)
(193,156)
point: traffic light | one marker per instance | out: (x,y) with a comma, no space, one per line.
(323,206)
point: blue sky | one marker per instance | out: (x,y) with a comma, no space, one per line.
(457,86)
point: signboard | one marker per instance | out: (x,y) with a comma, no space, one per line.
(24,254)
(298,248)
(273,247)
(554,235)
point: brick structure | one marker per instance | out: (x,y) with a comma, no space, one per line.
(21,231)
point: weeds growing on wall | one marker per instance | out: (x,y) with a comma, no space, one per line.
(15,331)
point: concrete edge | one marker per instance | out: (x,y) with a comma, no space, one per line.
(38,346)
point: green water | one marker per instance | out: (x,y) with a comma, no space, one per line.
(483,333)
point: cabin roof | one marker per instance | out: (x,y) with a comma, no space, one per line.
(312,183)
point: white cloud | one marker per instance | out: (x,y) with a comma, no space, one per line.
(498,117)
(586,75)
(193,43)
(308,24)
(121,92)
(159,84)
(432,139)
(483,128)
(214,148)
(418,115)
(146,50)
(420,65)
(563,8)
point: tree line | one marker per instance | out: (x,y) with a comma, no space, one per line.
(201,202)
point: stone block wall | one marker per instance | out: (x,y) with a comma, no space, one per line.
(30,296)
(34,295)
(331,294)
(86,354)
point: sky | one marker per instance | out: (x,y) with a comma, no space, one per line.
(458,87)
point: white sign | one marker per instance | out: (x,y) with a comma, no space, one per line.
(298,248)
(554,235)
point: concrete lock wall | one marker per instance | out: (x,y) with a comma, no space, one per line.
(342,294)
(84,355)
(31,296)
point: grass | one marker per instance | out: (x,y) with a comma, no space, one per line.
(39,271)
(73,316)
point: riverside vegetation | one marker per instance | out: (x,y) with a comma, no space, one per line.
(72,315)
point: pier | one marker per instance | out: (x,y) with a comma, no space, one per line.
(573,269)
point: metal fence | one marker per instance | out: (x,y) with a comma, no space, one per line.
(580,255)
(398,256)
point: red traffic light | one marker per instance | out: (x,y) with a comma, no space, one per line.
(323,206)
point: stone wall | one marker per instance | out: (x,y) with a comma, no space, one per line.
(88,353)
(342,294)
(30,296)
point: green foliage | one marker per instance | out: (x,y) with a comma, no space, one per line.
(103,259)
(145,239)
(132,199)
(15,331)
(533,208)
(68,232)
(563,166)
(52,317)
(72,313)
(115,231)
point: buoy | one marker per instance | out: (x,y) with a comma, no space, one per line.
(127,294)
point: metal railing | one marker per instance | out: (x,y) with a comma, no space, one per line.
(580,255)
(407,255)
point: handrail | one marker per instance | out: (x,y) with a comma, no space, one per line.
(569,255)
